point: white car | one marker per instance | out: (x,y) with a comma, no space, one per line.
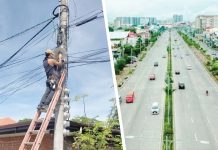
(155,109)
(189,67)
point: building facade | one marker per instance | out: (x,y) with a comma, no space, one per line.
(132,21)
(177,18)
(206,21)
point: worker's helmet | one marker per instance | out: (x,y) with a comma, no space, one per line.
(49,51)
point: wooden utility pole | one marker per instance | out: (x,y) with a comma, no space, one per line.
(61,47)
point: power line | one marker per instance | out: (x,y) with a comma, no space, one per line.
(2,64)
(26,30)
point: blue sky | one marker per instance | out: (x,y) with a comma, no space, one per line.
(95,79)
(162,9)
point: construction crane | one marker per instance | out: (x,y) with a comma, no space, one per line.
(33,138)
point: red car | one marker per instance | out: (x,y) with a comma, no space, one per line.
(130,97)
(152,77)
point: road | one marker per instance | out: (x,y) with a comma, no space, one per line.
(195,114)
(142,130)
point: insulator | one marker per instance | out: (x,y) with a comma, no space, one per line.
(67,91)
(66,132)
(66,123)
(66,107)
(65,99)
(66,115)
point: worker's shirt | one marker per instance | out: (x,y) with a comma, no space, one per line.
(50,70)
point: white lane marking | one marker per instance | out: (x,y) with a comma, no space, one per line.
(196,138)
(204,142)
(208,120)
(188,106)
(192,120)
(130,137)
(216,139)
(216,108)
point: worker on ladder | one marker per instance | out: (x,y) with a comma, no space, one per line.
(52,70)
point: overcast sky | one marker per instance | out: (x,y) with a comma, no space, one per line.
(94,80)
(161,9)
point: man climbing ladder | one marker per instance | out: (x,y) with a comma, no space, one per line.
(52,69)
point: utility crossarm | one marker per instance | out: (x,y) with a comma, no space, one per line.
(32,142)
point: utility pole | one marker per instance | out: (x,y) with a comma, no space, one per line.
(61,47)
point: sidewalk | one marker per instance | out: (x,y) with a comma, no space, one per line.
(130,68)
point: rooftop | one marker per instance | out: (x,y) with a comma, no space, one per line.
(119,34)
(6,121)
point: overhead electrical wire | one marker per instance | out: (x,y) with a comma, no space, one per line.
(24,31)
(30,75)
(2,64)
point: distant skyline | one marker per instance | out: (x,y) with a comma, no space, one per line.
(161,9)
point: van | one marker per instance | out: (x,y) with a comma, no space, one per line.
(155,109)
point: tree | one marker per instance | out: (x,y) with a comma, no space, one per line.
(146,42)
(127,49)
(120,64)
(214,66)
(111,29)
(24,120)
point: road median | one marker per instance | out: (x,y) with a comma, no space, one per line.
(168,113)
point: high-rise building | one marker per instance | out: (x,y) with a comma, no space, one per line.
(152,20)
(144,20)
(132,21)
(177,18)
(122,21)
(206,21)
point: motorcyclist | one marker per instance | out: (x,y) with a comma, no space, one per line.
(207,92)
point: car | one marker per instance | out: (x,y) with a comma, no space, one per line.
(133,59)
(177,72)
(155,64)
(164,56)
(130,97)
(181,85)
(155,109)
(152,76)
(189,67)
(214,53)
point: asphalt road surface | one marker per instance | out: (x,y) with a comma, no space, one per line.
(195,114)
(142,130)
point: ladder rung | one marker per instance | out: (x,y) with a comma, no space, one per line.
(29,143)
(34,132)
(43,110)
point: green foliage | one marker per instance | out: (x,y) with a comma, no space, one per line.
(168,130)
(127,49)
(131,29)
(24,120)
(120,64)
(168,114)
(214,66)
(98,135)
(127,59)
(111,29)
(146,42)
